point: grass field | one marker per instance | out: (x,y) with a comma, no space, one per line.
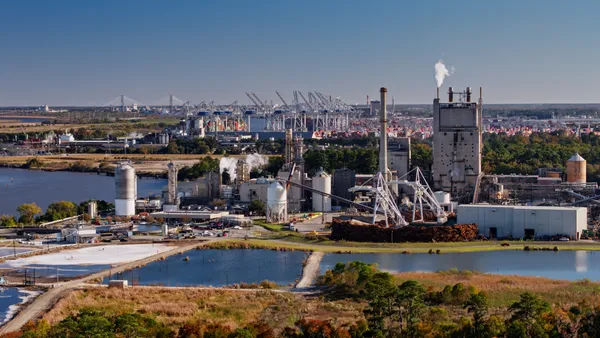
(175,306)
(235,308)
(504,290)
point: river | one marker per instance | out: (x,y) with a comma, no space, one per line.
(18,186)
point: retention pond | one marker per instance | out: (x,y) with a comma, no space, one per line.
(566,265)
(218,268)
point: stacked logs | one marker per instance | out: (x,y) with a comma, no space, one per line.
(362,232)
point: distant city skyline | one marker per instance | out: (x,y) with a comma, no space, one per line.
(88,53)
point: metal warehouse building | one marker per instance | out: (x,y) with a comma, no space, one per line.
(530,222)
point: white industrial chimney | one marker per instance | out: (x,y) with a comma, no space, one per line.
(383,167)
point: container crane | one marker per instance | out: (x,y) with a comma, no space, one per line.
(283,100)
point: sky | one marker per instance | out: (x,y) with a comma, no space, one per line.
(73,52)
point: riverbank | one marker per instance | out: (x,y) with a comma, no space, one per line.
(305,243)
(145,165)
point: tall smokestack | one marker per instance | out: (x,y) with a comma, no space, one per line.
(383,134)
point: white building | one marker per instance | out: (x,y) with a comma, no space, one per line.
(500,221)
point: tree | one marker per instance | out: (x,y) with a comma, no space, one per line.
(226,177)
(149,219)
(7,221)
(478,306)
(86,217)
(60,210)
(526,313)
(28,212)
(257,207)
(411,304)
(160,220)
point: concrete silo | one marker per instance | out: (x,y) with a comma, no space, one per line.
(276,203)
(576,169)
(125,189)
(321,182)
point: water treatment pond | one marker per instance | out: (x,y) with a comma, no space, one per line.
(566,265)
(219,268)
(10,298)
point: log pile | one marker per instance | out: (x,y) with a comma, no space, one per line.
(362,232)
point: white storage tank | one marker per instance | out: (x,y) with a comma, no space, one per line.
(321,181)
(125,190)
(276,203)
(442,197)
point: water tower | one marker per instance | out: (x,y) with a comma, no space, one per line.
(576,169)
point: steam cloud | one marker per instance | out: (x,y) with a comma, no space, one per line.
(253,161)
(441,72)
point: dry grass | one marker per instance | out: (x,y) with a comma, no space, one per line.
(228,307)
(504,290)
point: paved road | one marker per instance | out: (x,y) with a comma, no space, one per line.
(45,301)
(310,271)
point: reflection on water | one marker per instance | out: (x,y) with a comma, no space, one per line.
(219,267)
(568,265)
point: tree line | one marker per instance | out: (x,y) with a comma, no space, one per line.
(31,213)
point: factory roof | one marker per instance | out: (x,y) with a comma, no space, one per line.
(523,207)
(576,158)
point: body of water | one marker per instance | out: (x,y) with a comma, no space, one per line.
(565,265)
(52,271)
(8,250)
(10,298)
(25,119)
(219,268)
(18,186)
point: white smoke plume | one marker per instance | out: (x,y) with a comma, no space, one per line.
(228,163)
(441,72)
(253,161)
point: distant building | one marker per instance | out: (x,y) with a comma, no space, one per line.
(457,143)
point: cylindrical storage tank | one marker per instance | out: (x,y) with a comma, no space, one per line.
(125,190)
(276,203)
(165,229)
(442,197)
(576,169)
(321,182)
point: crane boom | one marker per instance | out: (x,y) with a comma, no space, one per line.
(306,101)
(253,101)
(283,100)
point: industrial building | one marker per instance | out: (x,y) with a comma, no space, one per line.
(399,155)
(527,222)
(457,143)
(343,180)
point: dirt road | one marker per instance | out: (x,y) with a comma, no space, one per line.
(310,271)
(45,301)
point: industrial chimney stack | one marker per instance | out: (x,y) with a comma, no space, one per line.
(383,135)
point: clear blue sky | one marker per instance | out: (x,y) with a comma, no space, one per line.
(89,52)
